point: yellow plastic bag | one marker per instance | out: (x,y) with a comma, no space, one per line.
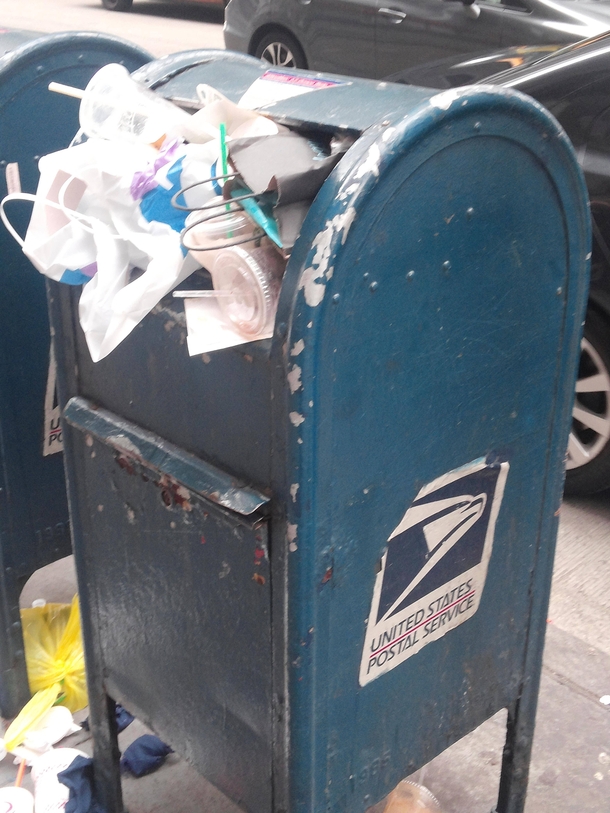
(55,663)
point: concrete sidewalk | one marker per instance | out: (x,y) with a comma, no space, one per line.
(570,771)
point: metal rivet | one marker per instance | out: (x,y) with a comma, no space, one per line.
(469,212)
(336,298)
(373,286)
(410,275)
(446,266)
(559,291)
(365,275)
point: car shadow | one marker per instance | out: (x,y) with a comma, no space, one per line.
(197,12)
(597,505)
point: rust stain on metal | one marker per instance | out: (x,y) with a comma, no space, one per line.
(256,577)
(327,576)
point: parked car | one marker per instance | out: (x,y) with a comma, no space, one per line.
(374,38)
(574,84)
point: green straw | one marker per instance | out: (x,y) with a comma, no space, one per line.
(223,156)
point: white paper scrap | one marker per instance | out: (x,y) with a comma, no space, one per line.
(208,329)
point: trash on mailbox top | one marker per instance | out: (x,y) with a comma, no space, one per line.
(155,193)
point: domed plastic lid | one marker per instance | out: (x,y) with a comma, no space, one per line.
(253,279)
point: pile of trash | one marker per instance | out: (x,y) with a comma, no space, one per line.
(148,193)
(62,776)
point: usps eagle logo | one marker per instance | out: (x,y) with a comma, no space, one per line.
(434,568)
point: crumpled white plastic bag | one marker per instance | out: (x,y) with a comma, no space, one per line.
(86,227)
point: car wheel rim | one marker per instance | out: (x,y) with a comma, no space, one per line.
(278,54)
(591,413)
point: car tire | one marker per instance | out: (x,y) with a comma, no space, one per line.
(588,462)
(281,49)
(117,5)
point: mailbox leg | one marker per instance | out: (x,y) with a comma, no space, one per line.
(106,754)
(14,690)
(517,751)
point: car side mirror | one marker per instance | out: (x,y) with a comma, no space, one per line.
(471,9)
(469,5)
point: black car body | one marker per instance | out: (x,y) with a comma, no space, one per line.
(374,38)
(574,84)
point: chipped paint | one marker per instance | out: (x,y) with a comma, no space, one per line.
(131,516)
(348,219)
(291,532)
(314,290)
(347,193)
(294,379)
(293,491)
(125,443)
(314,278)
(89,440)
(296,419)
(445,99)
(293,547)
(298,348)
(370,163)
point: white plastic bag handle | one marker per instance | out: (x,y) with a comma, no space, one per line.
(9,226)
(85,221)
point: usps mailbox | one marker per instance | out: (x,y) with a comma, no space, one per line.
(34,528)
(313,563)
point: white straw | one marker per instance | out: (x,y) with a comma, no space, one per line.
(56,87)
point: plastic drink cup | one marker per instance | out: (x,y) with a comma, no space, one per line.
(253,278)
(409,797)
(114,106)
(222,227)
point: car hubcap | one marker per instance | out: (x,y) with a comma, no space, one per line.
(278,54)
(591,413)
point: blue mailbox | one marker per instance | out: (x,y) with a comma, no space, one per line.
(313,563)
(34,527)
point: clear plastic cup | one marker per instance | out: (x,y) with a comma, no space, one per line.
(409,797)
(253,278)
(212,228)
(114,106)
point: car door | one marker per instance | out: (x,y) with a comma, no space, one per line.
(339,35)
(412,32)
